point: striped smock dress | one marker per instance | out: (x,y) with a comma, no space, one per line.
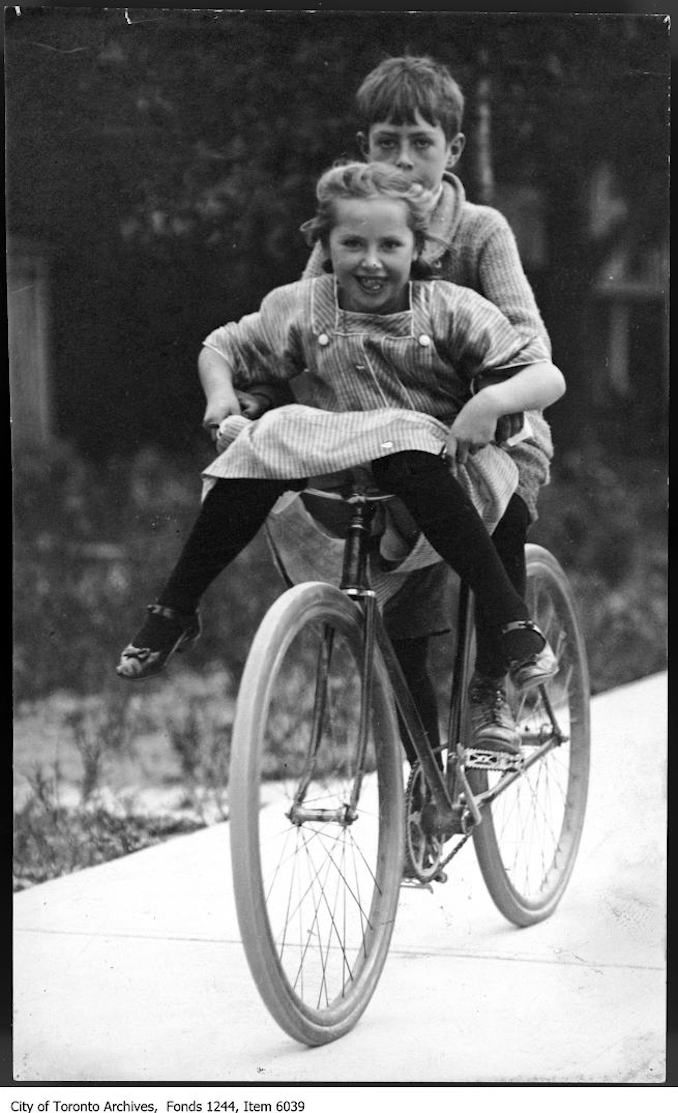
(373,385)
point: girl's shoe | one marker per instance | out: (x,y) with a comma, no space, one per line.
(167,631)
(538,666)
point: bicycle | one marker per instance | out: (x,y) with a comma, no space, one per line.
(324,832)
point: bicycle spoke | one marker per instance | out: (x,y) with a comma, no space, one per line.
(317,871)
(528,839)
(320,882)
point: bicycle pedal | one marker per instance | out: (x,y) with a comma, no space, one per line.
(414,883)
(493,759)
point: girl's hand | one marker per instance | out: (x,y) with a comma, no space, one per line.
(218,407)
(473,427)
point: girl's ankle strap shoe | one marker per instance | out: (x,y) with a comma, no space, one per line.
(539,666)
(167,631)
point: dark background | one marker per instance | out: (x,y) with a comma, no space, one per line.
(160,162)
(165,158)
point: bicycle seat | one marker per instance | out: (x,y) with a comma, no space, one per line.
(331,505)
(348,485)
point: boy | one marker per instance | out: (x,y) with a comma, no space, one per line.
(411,112)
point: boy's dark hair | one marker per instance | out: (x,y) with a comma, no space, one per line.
(398,88)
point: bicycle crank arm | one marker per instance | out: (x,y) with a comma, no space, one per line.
(484,798)
(542,737)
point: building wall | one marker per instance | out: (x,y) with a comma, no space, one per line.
(30,364)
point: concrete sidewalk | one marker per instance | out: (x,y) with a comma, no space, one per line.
(133,971)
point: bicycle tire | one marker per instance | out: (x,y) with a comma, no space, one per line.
(316,901)
(528,839)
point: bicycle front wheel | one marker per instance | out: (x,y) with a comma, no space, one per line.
(316,820)
(529,836)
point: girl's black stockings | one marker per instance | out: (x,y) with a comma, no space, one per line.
(231,515)
(509,540)
(235,509)
(447,517)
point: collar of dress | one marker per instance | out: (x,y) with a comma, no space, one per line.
(329,319)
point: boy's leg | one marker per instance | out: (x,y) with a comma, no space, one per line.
(509,539)
(424,605)
(412,654)
(490,711)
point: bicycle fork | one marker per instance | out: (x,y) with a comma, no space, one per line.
(354,582)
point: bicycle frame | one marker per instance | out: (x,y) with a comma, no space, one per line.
(322,836)
(457,808)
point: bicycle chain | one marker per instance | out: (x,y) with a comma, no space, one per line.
(430,849)
(422,853)
(456,848)
(431,852)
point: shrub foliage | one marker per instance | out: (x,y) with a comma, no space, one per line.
(93,545)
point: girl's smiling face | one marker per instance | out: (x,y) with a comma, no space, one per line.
(372,246)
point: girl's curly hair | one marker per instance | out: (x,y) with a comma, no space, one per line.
(361,181)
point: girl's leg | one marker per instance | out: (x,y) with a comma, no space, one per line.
(230,516)
(509,540)
(449,520)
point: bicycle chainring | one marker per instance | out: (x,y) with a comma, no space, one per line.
(423,847)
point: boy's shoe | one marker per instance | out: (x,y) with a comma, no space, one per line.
(167,631)
(494,728)
(539,666)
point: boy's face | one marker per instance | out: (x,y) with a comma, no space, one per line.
(372,247)
(420,150)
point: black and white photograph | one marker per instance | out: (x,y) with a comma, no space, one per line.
(339,400)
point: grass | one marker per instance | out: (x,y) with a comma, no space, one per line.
(101,776)
(52,840)
(102,769)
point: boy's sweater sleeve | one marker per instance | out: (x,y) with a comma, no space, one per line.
(264,347)
(480,339)
(502,279)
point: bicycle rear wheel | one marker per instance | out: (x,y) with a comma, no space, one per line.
(529,836)
(316,884)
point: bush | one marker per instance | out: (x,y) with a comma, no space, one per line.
(93,544)
(51,840)
(604,517)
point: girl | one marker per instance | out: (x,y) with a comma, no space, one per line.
(390,362)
